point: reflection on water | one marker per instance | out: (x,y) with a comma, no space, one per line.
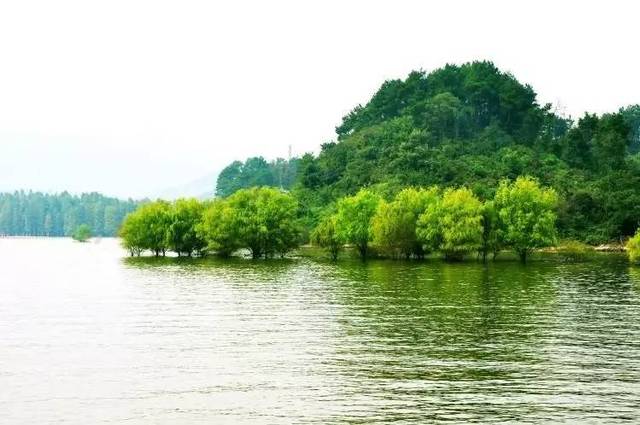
(90,336)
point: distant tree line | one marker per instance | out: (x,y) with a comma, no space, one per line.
(40,214)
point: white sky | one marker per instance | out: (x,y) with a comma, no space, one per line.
(131,97)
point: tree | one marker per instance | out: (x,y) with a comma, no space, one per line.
(265,220)
(326,235)
(491,235)
(155,221)
(633,248)
(132,234)
(82,233)
(453,225)
(354,216)
(527,215)
(394,224)
(220,228)
(183,238)
(255,172)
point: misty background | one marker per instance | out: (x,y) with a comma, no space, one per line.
(147,98)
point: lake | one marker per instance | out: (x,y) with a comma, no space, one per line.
(90,336)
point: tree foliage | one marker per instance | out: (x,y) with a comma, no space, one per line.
(394,224)
(326,235)
(633,248)
(82,233)
(354,216)
(453,224)
(219,228)
(527,215)
(182,235)
(265,220)
(256,172)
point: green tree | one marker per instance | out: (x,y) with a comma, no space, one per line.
(185,214)
(326,235)
(155,221)
(491,234)
(82,233)
(220,228)
(266,220)
(394,224)
(453,225)
(354,217)
(527,215)
(132,234)
(633,248)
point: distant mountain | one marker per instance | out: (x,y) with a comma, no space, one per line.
(201,188)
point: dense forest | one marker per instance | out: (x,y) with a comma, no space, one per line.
(472,126)
(257,172)
(40,214)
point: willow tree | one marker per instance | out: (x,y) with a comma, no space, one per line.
(354,217)
(219,228)
(394,224)
(453,224)
(527,215)
(132,234)
(491,234)
(266,221)
(326,235)
(185,214)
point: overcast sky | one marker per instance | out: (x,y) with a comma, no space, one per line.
(132,97)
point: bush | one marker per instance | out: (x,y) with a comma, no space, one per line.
(82,233)
(574,251)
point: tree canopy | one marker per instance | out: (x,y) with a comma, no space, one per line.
(256,171)
(527,215)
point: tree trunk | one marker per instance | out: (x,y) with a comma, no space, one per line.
(363,251)
(523,256)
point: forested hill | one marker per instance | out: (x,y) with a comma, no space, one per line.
(474,125)
(39,214)
(257,172)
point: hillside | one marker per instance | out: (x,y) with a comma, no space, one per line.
(474,125)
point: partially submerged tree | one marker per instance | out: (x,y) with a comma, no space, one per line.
(394,224)
(491,234)
(453,225)
(219,228)
(182,235)
(354,216)
(265,220)
(326,235)
(527,215)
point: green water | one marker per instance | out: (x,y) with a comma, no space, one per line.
(90,336)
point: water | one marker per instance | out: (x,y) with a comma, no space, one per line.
(91,337)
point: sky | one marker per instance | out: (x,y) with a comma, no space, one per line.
(130,98)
